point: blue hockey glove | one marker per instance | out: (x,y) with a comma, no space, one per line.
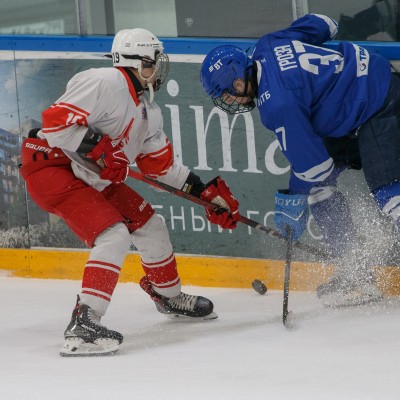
(291,210)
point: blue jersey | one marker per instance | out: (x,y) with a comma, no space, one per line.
(307,92)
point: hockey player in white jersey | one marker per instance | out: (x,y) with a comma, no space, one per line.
(75,167)
(330,110)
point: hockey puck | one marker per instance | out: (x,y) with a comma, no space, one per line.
(259,286)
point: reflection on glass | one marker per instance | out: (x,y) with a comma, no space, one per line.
(38,17)
(380,21)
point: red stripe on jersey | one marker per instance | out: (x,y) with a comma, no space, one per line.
(62,115)
(132,90)
(159,153)
(165,273)
(56,129)
(73,107)
(101,279)
(156,163)
(125,134)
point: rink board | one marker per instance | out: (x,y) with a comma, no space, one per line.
(239,149)
(193,270)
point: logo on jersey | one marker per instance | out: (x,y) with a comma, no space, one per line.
(144,113)
(362,57)
(124,135)
(285,57)
(263,97)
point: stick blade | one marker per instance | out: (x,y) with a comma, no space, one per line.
(287,320)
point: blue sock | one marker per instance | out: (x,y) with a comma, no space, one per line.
(388,200)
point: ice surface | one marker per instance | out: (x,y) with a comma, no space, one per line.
(246,353)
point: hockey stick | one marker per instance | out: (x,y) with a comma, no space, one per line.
(194,199)
(286,315)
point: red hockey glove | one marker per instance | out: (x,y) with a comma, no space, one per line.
(218,193)
(110,156)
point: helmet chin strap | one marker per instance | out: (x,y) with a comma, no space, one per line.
(149,85)
(151,91)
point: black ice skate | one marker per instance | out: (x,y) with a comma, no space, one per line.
(85,336)
(184,306)
(343,290)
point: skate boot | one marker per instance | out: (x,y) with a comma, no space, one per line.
(344,290)
(85,336)
(183,306)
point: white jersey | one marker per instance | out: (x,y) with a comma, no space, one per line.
(105,100)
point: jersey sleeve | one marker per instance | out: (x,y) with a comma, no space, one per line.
(156,155)
(314,29)
(65,122)
(156,160)
(305,150)
(176,175)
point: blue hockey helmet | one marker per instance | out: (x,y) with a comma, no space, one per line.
(221,68)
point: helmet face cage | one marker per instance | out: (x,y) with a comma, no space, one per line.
(162,68)
(231,103)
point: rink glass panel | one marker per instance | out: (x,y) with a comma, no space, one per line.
(182,18)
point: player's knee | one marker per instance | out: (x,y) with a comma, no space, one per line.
(115,237)
(153,238)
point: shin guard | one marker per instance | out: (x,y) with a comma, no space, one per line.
(103,267)
(332,215)
(158,259)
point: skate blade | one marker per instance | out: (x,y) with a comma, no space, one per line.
(352,299)
(180,317)
(76,347)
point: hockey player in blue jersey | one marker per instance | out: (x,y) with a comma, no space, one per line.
(330,110)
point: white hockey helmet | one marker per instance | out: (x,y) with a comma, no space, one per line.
(131,45)
(139,48)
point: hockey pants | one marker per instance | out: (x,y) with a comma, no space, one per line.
(108,222)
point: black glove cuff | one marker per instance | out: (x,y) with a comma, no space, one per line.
(89,141)
(193,185)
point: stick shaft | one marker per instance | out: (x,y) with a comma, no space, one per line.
(286,284)
(246,221)
(275,234)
